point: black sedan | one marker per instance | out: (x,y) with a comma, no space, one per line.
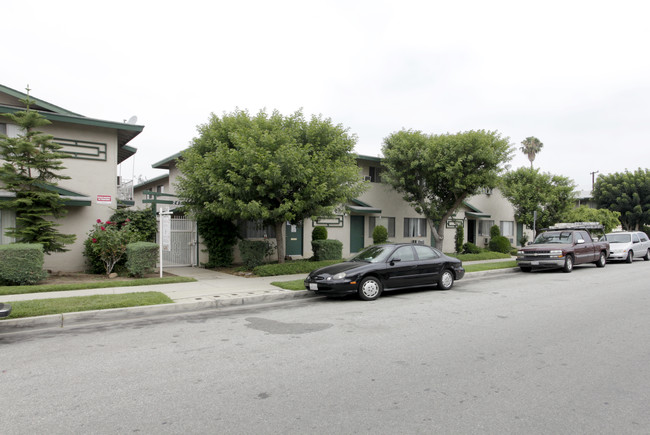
(386,267)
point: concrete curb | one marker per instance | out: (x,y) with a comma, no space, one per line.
(198,304)
(135,313)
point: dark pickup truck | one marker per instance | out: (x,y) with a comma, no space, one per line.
(563,246)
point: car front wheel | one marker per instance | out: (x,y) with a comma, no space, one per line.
(646,257)
(568,264)
(629,257)
(446,280)
(370,288)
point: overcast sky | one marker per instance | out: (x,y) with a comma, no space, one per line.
(575,74)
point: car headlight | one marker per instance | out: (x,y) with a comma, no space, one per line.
(556,253)
(339,275)
(520,253)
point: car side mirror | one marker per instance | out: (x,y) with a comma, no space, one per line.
(635,241)
(395,260)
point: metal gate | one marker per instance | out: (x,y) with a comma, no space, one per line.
(183,243)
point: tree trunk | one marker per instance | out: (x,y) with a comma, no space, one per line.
(437,238)
(280,238)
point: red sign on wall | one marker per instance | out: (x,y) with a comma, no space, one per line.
(104,199)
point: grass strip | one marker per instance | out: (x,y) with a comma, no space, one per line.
(487,255)
(292,267)
(299,284)
(469,268)
(73,304)
(24,289)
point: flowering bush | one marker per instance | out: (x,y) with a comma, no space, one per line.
(107,243)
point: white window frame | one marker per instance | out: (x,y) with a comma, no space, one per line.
(502,228)
(415,227)
(485,224)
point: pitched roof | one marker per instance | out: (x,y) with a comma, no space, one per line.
(125,132)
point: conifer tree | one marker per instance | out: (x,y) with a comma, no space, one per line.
(30,169)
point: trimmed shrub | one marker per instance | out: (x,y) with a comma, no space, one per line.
(494,231)
(500,244)
(253,252)
(21,264)
(379,234)
(471,248)
(327,250)
(319,233)
(460,235)
(141,258)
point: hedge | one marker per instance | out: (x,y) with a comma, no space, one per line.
(21,264)
(141,258)
(327,249)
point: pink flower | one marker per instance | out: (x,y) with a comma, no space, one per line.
(128,220)
(94,240)
(99,221)
(103,229)
(108,222)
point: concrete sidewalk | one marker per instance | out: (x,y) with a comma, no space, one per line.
(211,290)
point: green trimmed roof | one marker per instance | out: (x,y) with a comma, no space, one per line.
(362,207)
(158,178)
(125,132)
(70,198)
(474,212)
(370,158)
(164,163)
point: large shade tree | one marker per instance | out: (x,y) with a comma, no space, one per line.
(530,191)
(607,218)
(627,193)
(31,168)
(269,168)
(436,173)
(531,146)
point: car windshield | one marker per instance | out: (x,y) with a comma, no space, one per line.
(559,237)
(618,238)
(373,254)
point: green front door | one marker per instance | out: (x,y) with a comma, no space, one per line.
(294,239)
(520,233)
(356,233)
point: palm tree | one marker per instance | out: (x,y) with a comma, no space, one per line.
(531,146)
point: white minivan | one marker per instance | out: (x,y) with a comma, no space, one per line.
(628,245)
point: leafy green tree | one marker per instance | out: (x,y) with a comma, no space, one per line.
(607,218)
(270,168)
(531,146)
(530,191)
(436,173)
(30,169)
(627,193)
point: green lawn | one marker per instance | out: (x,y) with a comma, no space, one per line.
(24,289)
(43,307)
(469,268)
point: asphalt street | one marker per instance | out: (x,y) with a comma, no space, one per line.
(546,352)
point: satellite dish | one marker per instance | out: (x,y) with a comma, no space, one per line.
(132,120)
